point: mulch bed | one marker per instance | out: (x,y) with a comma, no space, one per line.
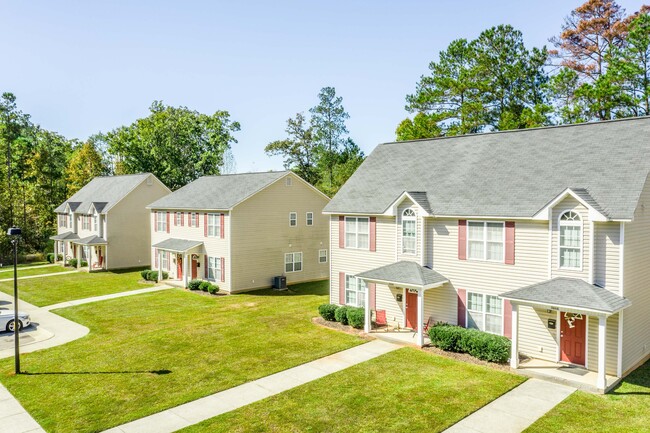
(201,292)
(339,327)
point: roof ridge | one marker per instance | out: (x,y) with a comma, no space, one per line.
(252,172)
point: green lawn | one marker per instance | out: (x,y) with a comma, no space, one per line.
(624,409)
(407,390)
(147,353)
(39,270)
(59,288)
(10,266)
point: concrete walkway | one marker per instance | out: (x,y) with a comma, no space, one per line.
(514,411)
(39,276)
(10,268)
(13,417)
(105,297)
(216,404)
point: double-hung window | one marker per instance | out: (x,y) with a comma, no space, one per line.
(293,219)
(194,219)
(164,262)
(355,291)
(95,222)
(85,222)
(570,240)
(322,256)
(214,225)
(357,232)
(70,219)
(310,218)
(293,262)
(408,231)
(485,240)
(178,217)
(161,225)
(485,312)
(214,268)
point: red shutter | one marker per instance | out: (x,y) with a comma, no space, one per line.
(341,288)
(223,269)
(510,243)
(373,233)
(167,216)
(341,231)
(372,288)
(205,225)
(462,308)
(222,219)
(155,259)
(182,219)
(462,239)
(205,268)
(507,319)
(155,221)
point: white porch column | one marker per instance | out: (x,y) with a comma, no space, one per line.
(185,269)
(601,381)
(90,258)
(78,255)
(514,353)
(366,311)
(56,250)
(421,317)
(65,253)
(159,265)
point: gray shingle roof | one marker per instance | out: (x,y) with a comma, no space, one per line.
(407,273)
(91,240)
(65,236)
(570,292)
(217,192)
(105,191)
(178,245)
(510,173)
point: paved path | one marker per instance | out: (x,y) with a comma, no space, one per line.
(514,411)
(216,404)
(39,276)
(13,417)
(105,297)
(10,268)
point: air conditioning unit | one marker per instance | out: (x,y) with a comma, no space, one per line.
(280,283)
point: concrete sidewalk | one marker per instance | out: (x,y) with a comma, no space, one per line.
(105,297)
(10,268)
(514,411)
(39,276)
(13,417)
(204,408)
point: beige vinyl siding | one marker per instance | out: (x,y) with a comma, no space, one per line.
(401,256)
(607,256)
(571,204)
(261,235)
(440,304)
(611,344)
(128,230)
(535,339)
(386,299)
(636,283)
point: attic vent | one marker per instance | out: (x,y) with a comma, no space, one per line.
(149,181)
(289,181)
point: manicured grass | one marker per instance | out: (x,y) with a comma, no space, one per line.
(403,391)
(40,270)
(9,267)
(624,409)
(59,288)
(147,353)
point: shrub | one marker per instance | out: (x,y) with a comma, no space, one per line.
(145,274)
(213,289)
(341,315)
(165,275)
(84,263)
(327,311)
(59,257)
(72,263)
(194,284)
(50,257)
(479,344)
(205,285)
(153,275)
(356,317)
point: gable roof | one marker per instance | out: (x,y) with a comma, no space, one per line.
(405,273)
(103,192)
(217,192)
(508,173)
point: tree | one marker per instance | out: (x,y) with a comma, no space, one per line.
(349,159)
(85,164)
(422,126)
(176,144)
(300,150)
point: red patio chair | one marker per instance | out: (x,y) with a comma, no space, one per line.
(380,318)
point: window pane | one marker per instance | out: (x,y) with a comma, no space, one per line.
(408,228)
(475,301)
(495,232)
(362,225)
(351,297)
(475,250)
(493,324)
(362,240)
(475,320)
(495,251)
(570,236)
(361,284)
(288,267)
(569,257)
(475,231)
(493,304)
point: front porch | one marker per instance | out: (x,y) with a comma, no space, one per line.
(566,374)
(93,250)
(181,258)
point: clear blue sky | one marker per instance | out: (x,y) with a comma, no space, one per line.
(87,66)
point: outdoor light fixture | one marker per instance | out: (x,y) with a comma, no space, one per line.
(14,233)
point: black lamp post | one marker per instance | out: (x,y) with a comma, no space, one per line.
(14,233)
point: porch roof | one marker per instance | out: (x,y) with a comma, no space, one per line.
(92,240)
(67,236)
(177,245)
(405,273)
(571,293)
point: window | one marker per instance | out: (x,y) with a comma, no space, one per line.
(293,219)
(164,263)
(288,181)
(310,218)
(485,240)
(194,219)
(355,291)
(322,256)
(214,225)
(85,222)
(161,224)
(178,217)
(408,231)
(357,232)
(214,268)
(70,219)
(570,240)
(293,262)
(95,222)
(485,312)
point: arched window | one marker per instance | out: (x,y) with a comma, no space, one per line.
(408,231)
(570,240)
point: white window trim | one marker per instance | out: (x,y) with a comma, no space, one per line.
(194,219)
(320,256)
(559,239)
(485,241)
(216,226)
(293,262)
(161,218)
(345,237)
(216,269)
(484,295)
(360,302)
(307,218)
(178,217)
(164,261)
(293,219)
(415,237)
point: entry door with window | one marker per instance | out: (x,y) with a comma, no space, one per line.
(573,339)
(412,310)
(194,266)
(179,267)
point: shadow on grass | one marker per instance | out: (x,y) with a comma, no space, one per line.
(639,378)
(300,289)
(156,372)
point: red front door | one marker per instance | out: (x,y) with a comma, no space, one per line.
(411,310)
(573,339)
(194,263)
(179,267)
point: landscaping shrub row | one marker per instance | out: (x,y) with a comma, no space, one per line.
(50,257)
(479,344)
(205,286)
(345,315)
(149,275)
(73,263)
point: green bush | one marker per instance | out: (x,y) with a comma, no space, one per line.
(72,263)
(341,315)
(356,317)
(327,311)
(194,284)
(59,257)
(205,285)
(84,263)
(145,274)
(479,344)
(213,289)
(165,275)
(50,257)
(153,275)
